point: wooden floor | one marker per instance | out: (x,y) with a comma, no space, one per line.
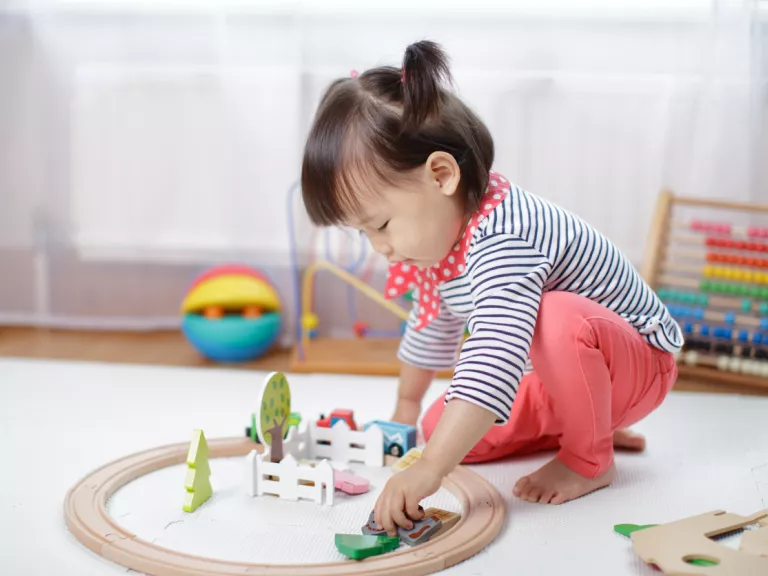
(171,349)
(157,348)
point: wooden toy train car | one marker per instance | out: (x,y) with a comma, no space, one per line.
(398,438)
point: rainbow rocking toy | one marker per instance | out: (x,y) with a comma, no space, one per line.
(231,314)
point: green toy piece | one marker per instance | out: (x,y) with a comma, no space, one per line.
(700,562)
(197,482)
(272,423)
(253,433)
(359,546)
(627,529)
(294,419)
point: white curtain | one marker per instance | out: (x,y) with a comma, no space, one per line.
(143,141)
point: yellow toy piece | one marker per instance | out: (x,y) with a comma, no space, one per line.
(310,321)
(197,482)
(408,460)
(232,292)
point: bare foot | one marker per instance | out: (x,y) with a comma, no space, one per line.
(555,483)
(628,440)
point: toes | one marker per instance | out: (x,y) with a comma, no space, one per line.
(628,440)
(558,498)
(521,486)
(547,496)
(534,494)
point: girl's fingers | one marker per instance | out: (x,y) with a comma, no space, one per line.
(415,512)
(386,521)
(399,515)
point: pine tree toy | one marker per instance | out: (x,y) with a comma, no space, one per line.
(197,483)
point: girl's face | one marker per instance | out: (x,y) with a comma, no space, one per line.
(419,221)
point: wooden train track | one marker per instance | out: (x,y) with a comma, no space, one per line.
(86,517)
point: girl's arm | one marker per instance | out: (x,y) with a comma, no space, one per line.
(414,382)
(461,426)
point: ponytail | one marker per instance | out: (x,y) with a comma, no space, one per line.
(386,121)
(425,70)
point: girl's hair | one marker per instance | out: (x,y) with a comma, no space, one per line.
(372,128)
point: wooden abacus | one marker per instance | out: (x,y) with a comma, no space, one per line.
(713,277)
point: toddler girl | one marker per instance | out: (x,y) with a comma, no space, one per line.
(398,156)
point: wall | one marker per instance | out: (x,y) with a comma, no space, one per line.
(144,141)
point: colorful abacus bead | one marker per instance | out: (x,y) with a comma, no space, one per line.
(310,321)
(691,357)
(704,330)
(730,318)
(360,328)
(734,364)
(724,333)
(722,363)
(757,338)
(688,328)
(746,305)
(698,313)
(762,308)
(743,336)
(764,323)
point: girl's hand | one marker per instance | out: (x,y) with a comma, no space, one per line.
(406,412)
(398,504)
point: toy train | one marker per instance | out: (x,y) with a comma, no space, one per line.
(398,438)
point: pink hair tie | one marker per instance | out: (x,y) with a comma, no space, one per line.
(354,73)
(402,77)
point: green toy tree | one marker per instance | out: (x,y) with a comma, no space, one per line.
(197,483)
(274,413)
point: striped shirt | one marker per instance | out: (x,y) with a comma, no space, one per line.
(526,246)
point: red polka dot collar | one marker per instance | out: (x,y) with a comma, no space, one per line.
(402,277)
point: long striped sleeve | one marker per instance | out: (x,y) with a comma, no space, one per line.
(436,346)
(506,277)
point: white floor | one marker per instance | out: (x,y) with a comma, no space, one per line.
(60,420)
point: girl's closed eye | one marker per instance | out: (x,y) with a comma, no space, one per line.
(383,226)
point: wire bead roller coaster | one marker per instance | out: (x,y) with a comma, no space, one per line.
(370,352)
(713,277)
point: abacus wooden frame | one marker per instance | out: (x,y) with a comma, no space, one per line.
(658,241)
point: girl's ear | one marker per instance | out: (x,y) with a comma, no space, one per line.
(442,172)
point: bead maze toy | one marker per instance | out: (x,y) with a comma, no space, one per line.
(713,276)
(366,350)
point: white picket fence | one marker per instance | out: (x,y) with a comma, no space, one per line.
(341,444)
(297,442)
(290,475)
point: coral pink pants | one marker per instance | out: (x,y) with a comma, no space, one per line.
(593,373)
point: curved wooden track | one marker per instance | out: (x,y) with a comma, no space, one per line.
(87,518)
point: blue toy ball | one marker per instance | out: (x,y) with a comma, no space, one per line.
(232,339)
